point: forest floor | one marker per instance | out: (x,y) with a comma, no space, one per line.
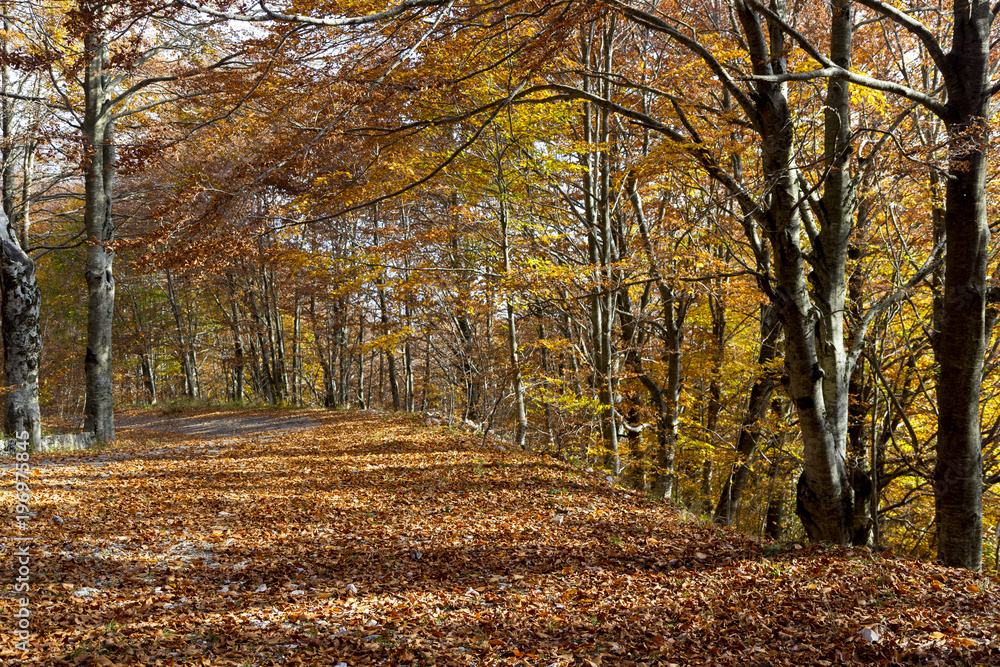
(332,538)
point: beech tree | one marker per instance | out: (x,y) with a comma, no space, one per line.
(806,286)
(22,341)
(108,57)
(965,71)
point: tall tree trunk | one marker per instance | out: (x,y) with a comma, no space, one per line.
(297,353)
(408,370)
(381,380)
(323,355)
(148,380)
(22,342)
(666,396)
(275,336)
(182,343)
(424,405)
(7,152)
(470,372)
(390,355)
(262,365)
(99,177)
(26,179)
(340,354)
(859,391)
(714,408)
(361,360)
(598,204)
(512,351)
(825,497)
(958,475)
(238,358)
(775,513)
(543,353)
(280,357)
(390,352)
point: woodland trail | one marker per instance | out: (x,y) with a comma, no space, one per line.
(223,424)
(311,537)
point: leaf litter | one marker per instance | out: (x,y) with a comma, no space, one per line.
(372,539)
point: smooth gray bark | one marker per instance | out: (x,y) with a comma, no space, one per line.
(596,56)
(825,498)
(99,178)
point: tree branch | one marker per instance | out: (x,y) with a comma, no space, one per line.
(268,14)
(832,71)
(657,24)
(937,256)
(922,32)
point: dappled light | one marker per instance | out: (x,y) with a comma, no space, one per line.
(371,539)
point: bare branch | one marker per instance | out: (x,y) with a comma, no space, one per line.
(268,14)
(923,99)
(937,256)
(657,24)
(922,32)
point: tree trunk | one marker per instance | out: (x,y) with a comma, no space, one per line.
(543,354)
(26,179)
(99,165)
(322,354)
(22,342)
(513,356)
(775,512)
(597,212)
(148,381)
(961,343)
(859,392)
(408,363)
(6,130)
(714,408)
(666,396)
(275,337)
(825,498)
(182,344)
(390,355)
(280,363)
(238,359)
(297,353)
(361,360)
(958,475)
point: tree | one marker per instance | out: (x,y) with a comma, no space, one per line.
(965,71)
(21,301)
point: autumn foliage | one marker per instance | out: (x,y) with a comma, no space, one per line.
(285,537)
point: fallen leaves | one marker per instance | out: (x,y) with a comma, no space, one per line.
(372,539)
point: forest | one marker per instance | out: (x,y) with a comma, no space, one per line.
(733,254)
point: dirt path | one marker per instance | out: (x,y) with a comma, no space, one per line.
(219,425)
(201,431)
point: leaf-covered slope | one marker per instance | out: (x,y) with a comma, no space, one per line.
(371,539)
